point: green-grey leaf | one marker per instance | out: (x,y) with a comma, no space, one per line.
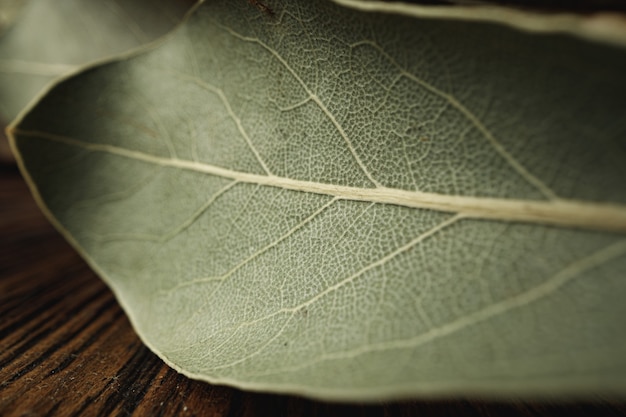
(52,38)
(352,205)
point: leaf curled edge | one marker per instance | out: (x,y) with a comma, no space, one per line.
(605,27)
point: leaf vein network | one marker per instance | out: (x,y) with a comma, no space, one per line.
(534,294)
(473,119)
(312,97)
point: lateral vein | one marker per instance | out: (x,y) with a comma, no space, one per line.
(312,96)
(471,117)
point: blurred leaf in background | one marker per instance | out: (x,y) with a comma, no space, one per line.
(8,11)
(50,39)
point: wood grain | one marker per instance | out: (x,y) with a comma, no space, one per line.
(67,349)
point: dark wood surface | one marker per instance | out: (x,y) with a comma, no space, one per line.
(66,347)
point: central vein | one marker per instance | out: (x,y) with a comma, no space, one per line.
(569,213)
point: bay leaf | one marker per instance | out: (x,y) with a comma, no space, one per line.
(299,197)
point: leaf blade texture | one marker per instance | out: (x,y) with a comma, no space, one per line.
(352,206)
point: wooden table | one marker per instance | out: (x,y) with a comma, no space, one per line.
(66,347)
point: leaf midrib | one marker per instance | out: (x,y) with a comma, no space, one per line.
(561,212)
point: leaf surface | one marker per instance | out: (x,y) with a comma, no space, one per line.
(351,205)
